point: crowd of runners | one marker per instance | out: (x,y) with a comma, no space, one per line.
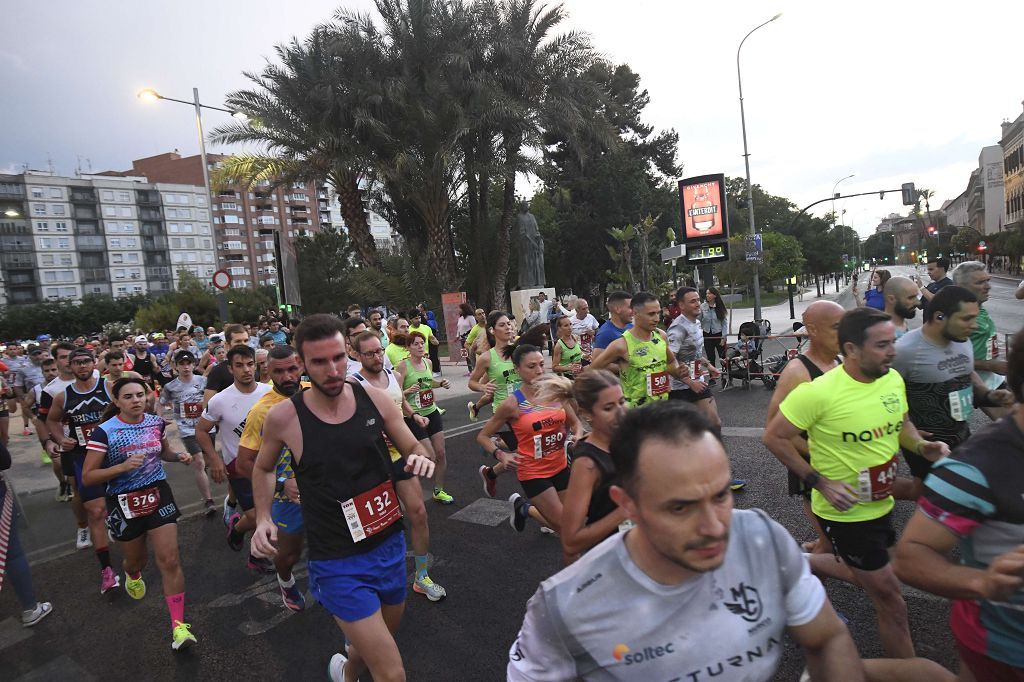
(325,431)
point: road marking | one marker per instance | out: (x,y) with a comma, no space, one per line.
(484,511)
(462,430)
(743,431)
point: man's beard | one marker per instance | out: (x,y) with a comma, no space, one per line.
(905,313)
(329,391)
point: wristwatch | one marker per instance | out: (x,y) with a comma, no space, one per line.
(811,479)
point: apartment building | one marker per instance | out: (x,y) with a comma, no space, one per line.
(1012,144)
(69,237)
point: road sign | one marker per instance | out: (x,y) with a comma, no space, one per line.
(754,253)
(672,252)
(221,279)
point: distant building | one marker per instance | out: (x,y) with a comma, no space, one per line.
(69,237)
(1012,143)
(956,211)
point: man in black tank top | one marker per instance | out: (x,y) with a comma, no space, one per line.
(821,320)
(349,505)
(80,408)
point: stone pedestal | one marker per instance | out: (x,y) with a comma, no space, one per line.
(521,302)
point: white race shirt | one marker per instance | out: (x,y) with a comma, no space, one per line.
(228,410)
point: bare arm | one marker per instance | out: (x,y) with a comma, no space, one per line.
(828,647)
(576,535)
(478,381)
(997,366)
(609,358)
(218,472)
(417,462)
(55,425)
(277,420)
(503,414)
(912,440)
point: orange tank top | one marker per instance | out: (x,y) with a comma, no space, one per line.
(540,430)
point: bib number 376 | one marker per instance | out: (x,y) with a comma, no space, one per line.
(371,512)
(139,503)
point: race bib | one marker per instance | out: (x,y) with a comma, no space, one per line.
(548,444)
(139,502)
(875,484)
(993,349)
(371,512)
(82,434)
(191,410)
(961,403)
(657,384)
(425,398)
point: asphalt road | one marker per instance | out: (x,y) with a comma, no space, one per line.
(489,570)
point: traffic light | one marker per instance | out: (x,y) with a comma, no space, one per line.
(932,230)
(982,246)
(909,195)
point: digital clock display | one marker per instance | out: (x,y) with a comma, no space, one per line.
(707,253)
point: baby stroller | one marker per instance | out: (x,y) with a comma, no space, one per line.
(743,358)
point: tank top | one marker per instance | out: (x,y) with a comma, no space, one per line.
(504,375)
(601,503)
(645,378)
(570,356)
(84,411)
(349,504)
(540,432)
(394,392)
(422,400)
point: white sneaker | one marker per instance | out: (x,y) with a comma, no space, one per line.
(84,539)
(42,610)
(336,668)
(228,509)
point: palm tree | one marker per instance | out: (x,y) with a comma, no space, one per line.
(313,114)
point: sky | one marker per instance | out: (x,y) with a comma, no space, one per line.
(892,92)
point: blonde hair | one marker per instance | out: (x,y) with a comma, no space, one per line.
(584,390)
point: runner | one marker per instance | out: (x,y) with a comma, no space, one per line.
(118,342)
(902,299)
(113,361)
(856,419)
(686,340)
(589,515)
(163,363)
(567,357)
(48,448)
(937,269)
(184,396)
(143,362)
(416,316)
(620,318)
(974,277)
(418,383)
(227,411)
(285,371)
(396,350)
(356,553)
(541,431)
(123,458)
(376,318)
(641,355)
(937,366)
(410,492)
(80,408)
(15,359)
(476,339)
(201,340)
(499,370)
(821,322)
(353,327)
(668,593)
(584,328)
(28,374)
(974,500)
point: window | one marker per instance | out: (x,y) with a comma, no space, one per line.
(124,196)
(38,209)
(133,257)
(228,206)
(207,257)
(37,192)
(193,257)
(57,209)
(42,227)
(175,242)
(186,213)
(188,228)
(125,211)
(172,228)
(109,211)
(204,229)
(176,256)
(184,198)
(66,259)
(136,288)
(119,273)
(55,193)
(233,245)
(131,243)
(63,243)
(117,258)
(171,212)
(207,243)
(298,196)
(228,231)
(233,219)
(60,227)
(54,276)
(200,200)
(107,195)
(45,243)
(46,259)
(122,291)
(190,242)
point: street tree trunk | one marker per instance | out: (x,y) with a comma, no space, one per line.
(346,184)
(503,240)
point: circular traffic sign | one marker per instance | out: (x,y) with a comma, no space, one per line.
(221,279)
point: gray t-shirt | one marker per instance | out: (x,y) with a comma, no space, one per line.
(603,618)
(187,400)
(686,340)
(938,381)
(29,374)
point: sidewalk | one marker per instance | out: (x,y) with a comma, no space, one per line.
(778,314)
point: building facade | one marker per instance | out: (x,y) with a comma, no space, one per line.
(69,237)
(956,211)
(1012,143)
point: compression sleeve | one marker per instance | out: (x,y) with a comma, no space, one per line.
(538,654)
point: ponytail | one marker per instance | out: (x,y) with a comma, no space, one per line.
(530,342)
(552,388)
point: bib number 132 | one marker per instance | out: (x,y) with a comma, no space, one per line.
(371,512)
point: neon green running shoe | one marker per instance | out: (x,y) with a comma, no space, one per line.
(183,638)
(136,589)
(441,496)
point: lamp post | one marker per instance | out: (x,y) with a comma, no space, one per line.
(746,162)
(834,205)
(150,95)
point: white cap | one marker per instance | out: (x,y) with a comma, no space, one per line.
(141,338)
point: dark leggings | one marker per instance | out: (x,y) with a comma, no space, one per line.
(18,572)
(435,360)
(712,347)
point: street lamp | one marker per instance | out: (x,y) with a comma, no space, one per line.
(12,213)
(746,161)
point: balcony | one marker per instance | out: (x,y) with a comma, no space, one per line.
(156,258)
(92,260)
(97,289)
(95,275)
(152,229)
(23,295)
(149,213)
(15,244)
(83,196)
(91,243)
(158,272)
(85,227)
(154,243)
(147,196)
(84,213)
(18,261)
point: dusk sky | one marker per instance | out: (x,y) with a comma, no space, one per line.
(891,91)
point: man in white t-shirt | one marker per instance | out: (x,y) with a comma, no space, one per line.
(584,327)
(227,411)
(693,591)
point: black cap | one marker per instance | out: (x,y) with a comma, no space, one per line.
(183,355)
(81,353)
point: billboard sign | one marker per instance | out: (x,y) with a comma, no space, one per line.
(703,208)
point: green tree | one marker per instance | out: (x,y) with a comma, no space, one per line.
(965,241)
(68,319)
(783,257)
(192,297)
(323,260)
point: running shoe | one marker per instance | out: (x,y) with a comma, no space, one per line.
(336,668)
(292,597)
(33,616)
(66,492)
(211,508)
(441,411)
(229,509)
(544,530)
(235,540)
(490,484)
(429,589)
(471,406)
(737,484)
(108,580)
(26,431)
(136,589)
(182,636)
(520,510)
(258,565)
(441,496)
(44,459)
(84,539)
(59,497)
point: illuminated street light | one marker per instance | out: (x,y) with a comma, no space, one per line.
(12,213)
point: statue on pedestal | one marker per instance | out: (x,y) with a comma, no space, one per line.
(531,249)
